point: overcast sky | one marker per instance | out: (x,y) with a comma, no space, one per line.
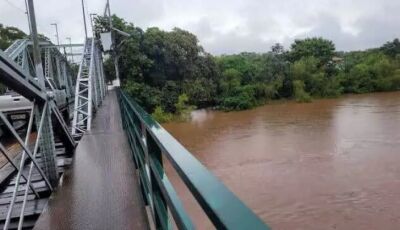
(229,26)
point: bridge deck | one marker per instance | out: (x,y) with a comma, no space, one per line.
(100,191)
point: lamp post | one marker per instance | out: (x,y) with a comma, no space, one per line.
(84,18)
(70,46)
(118,82)
(91,21)
(58,39)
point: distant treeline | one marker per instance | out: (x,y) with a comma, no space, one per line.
(169,73)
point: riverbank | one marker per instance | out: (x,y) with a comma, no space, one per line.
(188,115)
(304,164)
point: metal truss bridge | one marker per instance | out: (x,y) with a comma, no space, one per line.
(103,170)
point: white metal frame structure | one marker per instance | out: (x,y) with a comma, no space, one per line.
(90,87)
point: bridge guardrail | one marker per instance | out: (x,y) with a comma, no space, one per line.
(149,142)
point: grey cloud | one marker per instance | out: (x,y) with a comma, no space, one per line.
(140,12)
(235,25)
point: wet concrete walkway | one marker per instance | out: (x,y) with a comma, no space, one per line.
(101,190)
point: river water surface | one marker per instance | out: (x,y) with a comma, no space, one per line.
(329,164)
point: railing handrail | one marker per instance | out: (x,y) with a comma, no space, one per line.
(224,209)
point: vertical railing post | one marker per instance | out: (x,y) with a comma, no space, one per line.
(159,203)
(140,155)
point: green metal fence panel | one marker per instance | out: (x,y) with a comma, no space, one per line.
(149,142)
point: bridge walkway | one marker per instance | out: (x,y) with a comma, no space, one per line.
(100,191)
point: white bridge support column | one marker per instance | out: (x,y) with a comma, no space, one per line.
(89,91)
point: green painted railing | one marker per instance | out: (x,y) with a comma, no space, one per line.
(149,143)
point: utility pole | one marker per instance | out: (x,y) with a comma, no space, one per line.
(109,14)
(84,19)
(70,46)
(27,15)
(36,51)
(46,141)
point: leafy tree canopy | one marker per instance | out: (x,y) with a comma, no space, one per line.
(320,48)
(8,34)
(169,73)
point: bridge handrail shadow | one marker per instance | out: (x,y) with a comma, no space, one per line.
(149,142)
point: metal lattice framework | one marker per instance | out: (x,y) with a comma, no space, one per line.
(15,73)
(90,87)
(22,71)
(19,52)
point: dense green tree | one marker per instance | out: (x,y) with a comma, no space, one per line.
(200,91)
(391,48)
(169,73)
(183,109)
(161,116)
(169,96)
(231,79)
(242,97)
(165,62)
(372,71)
(8,34)
(316,81)
(147,96)
(321,49)
(299,93)
(277,48)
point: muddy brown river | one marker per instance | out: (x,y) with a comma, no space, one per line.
(329,164)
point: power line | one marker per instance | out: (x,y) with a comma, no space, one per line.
(15,6)
(25,12)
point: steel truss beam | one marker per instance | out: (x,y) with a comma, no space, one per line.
(89,93)
(23,159)
(16,48)
(22,82)
(14,77)
(15,74)
(90,87)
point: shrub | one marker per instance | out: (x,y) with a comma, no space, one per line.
(161,116)
(148,97)
(241,98)
(182,108)
(299,93)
